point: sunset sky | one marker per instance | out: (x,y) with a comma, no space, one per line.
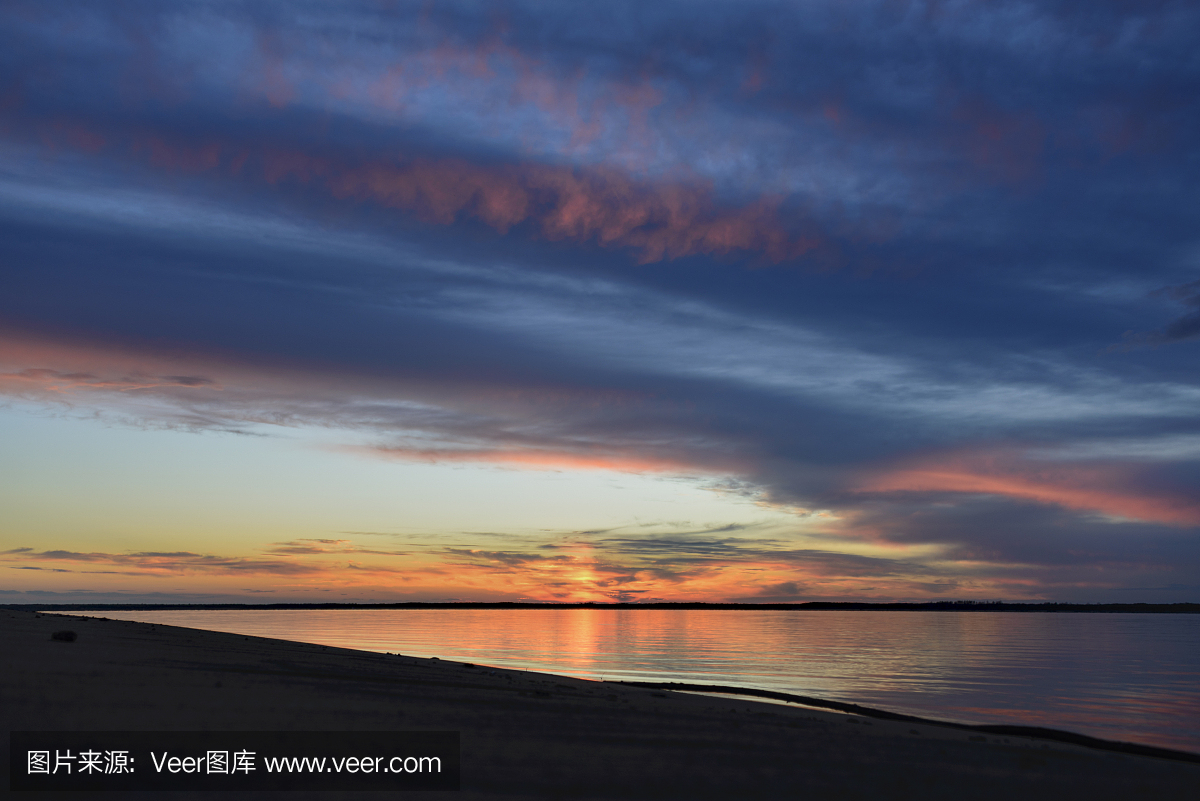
(636,301)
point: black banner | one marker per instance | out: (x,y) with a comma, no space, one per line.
(234,760)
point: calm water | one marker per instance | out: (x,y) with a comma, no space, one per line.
(1118,676)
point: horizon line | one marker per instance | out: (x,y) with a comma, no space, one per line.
(980,606)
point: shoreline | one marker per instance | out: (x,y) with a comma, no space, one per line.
(534,735)
(1039,732)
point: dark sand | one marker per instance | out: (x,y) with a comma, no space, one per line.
(530,735)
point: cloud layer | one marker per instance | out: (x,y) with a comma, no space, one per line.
(921,274)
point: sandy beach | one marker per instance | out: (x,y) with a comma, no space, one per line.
(527,735)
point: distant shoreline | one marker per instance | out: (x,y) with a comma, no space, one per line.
(814,606)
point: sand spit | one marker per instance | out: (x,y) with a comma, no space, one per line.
(529,735)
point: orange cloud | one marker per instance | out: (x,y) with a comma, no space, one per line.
(555,571)
(565,573)
(1089,487)
(584,572)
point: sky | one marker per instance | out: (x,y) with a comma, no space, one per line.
(634,301)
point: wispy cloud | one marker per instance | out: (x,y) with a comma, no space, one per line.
(149,563)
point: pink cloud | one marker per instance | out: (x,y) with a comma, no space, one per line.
(1095,487)
(534,458)
(602,206)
